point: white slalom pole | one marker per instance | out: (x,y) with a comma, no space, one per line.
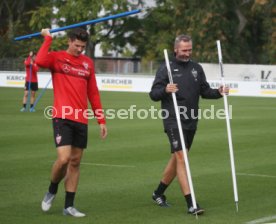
(181,133)
(228,129)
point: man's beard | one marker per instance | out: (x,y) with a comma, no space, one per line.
(183,59)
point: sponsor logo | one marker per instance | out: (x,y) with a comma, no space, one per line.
(233,85)
(268,86)
(117,81)
(110,83)
(66,68)
(15,78)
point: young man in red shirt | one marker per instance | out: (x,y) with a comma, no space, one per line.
(31,83)
(74,83)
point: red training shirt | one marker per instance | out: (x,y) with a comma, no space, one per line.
(34,70)
(74,82)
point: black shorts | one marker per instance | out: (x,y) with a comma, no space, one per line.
(34,86)
(174,138)
(67,132)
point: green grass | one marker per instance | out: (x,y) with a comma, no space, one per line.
(110,194)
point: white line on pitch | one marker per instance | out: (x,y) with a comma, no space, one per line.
(255,175)
(108,165)
(262,220)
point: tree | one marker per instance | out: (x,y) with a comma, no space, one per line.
(246,29)
(173,17)
(14,20)
(71,12)
(262,29)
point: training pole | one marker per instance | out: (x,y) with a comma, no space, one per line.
(228,129)
(28,106)
(80,24)
(190,182)
(42,93)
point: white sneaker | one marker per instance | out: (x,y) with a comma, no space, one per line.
(73,212)
(47,201)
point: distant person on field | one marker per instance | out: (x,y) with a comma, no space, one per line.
(74,84)
(30,81)
(189,84)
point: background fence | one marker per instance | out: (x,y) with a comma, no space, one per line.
(134,66)
(103,65)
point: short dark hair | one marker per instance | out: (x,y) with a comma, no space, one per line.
(79,34)
(182,37)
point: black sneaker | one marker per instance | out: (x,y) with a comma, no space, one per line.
(160,200)
(197,211)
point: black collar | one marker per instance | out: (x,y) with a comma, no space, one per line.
(174,59)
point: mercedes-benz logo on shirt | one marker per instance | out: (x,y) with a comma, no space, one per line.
(66,68)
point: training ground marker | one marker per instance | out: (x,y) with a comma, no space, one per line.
(263,220)
(229,132)
(108,165)
(256,175)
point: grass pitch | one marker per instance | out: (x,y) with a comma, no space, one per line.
(118,175)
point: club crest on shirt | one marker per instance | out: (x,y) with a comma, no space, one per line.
(175,144)
(195,74)
(85,65)
(66,68)
(58,139)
